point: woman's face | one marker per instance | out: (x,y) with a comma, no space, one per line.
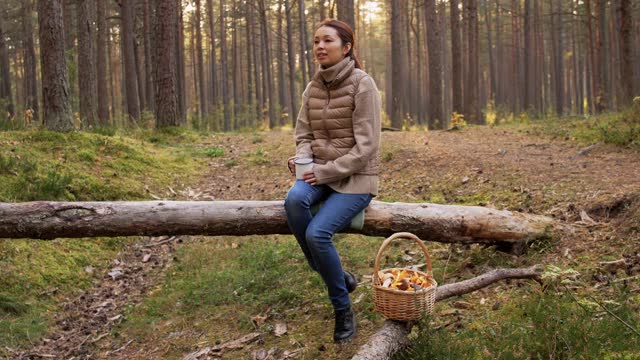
(328,48)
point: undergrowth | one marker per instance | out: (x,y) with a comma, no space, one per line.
(105,164)
(553,324)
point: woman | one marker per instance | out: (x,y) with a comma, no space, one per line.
(339,128)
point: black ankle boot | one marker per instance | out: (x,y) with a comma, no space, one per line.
(350,281)
(345,327)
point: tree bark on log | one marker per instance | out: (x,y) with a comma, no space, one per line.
(431,222)
(394,335)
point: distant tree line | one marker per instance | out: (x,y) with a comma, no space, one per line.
(229,64)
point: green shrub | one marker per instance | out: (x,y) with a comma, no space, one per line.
(52,185)
(214,152)
(87,156)
(7,164)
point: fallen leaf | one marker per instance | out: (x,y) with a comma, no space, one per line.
(116,273)
(280,329)
(586,218)
(462,305)
(260,354)
(258,320)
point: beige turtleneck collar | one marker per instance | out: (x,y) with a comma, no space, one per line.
(333,75)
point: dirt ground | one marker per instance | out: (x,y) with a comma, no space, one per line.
(594,191)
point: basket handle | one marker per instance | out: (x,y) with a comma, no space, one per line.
(405,235)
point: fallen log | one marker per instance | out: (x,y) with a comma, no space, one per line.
(432,222)
(394,335)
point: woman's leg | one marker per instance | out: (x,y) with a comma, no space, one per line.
(333,216)
(297,206)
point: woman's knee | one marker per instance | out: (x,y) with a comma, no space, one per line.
(296,198)
(316,237)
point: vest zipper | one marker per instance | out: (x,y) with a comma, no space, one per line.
(324,116)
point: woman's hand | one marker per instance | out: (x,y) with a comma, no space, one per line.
(309,177)
(292,166)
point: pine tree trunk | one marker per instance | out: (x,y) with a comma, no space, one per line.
(235,61)
(131,76)
(180,64)
(16,61)
(293,110)
(515,58)
(626,56)
(112,73)
(636,89)
(308,39)
(6,100)
(434,42)
(282,98)
(69,30)
(167,102)
(472,83)
(30,78)
(101,79)
(251,101)
(597,68)
(446,64)
(142,97)
(558,57)
(56,112)
(406,59)
(528,57)
(418,86)
(456,59)
(346,12)
(257,61)
(87,85)
(224,73)
(397,87)
(213,91)
(149,60)
(578,63)
(490,52)
(306,75)
(68,18)
(268,73)
(539,60)
(613,60)
(194,75)
(604,53)
(322,9)
(200,60)
(405,111)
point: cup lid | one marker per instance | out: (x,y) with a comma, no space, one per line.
(303,161)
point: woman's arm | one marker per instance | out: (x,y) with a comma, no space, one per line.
(303,134)
(366,131)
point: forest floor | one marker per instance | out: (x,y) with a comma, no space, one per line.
(169,297)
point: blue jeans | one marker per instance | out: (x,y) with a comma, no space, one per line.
(314,233)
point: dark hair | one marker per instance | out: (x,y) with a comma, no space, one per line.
(345,33)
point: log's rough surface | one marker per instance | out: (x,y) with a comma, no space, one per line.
(394,335)
(432,222)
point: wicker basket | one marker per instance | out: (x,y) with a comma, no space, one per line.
(403,305)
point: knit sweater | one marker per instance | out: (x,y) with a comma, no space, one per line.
(339,127)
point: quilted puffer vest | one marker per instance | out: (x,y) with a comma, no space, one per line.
(330,110)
